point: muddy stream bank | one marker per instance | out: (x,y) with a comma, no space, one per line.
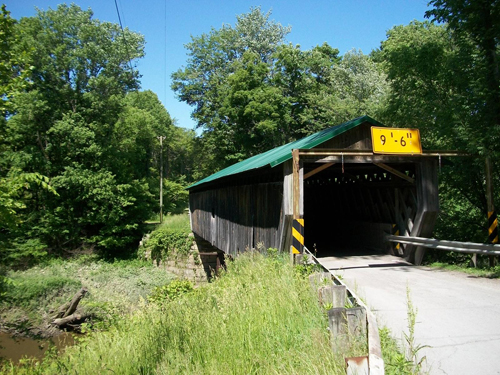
(15,348)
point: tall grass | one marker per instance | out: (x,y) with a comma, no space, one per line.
(259,317)
(177,222)
(173,221)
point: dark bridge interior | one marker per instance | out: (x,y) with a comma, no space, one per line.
(348,209)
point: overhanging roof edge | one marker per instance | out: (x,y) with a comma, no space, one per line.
(280,154)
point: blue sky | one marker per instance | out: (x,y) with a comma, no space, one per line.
(168,25)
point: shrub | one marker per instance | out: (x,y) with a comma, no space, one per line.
(170,292)
(164,242)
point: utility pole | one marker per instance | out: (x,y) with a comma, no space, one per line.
(161,138)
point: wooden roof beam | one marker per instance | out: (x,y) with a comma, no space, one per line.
(351,152)
(395,172)
(317,170)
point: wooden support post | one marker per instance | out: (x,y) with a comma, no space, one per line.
(492,216)
(337,322)
(298,221)
(356,322)
(319,279)
(427,208)
(296,184)
(346,326)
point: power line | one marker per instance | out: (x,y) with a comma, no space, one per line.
(124,39)
(165,67)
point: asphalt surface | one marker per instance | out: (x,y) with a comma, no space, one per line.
(458,315)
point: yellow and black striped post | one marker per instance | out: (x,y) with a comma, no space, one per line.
(298,236)
(395,232)
(492,227)
(492,216)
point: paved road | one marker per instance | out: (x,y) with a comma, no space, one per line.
(458,315)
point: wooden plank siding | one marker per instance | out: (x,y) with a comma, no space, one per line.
(237,218)
(359,138)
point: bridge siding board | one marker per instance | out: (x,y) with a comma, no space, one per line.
(239,217)
(358,138)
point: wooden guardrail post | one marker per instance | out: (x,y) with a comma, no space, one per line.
(333,295)
(337,322)
(346,324)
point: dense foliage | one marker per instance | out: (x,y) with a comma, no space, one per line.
(79,161)
(441,83)
(251,91)
(166,242)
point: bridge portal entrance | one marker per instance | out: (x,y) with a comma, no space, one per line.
(351,199)
(350,208)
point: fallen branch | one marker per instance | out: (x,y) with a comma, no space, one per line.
(66,315)
(69,320)
(75,301)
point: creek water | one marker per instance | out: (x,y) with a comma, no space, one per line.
(16,348)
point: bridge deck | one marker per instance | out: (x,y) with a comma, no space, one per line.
(458,315)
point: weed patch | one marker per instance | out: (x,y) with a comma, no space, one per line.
(404,360)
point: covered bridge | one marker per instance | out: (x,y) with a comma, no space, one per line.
(345,196)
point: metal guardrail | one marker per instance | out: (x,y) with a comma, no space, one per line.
(375,360)
(460,247)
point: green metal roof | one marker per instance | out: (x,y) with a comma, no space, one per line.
(283,153)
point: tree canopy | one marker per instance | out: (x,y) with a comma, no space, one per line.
(251,91)
(75,122)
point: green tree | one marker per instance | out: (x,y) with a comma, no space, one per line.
(76,124)
(435,77)
(182,156)
(213,58)
(135,144)
(252,92)
(478,21)
(345,87)
(14,69)
(430,84)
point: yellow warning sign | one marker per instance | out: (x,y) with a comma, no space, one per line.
(396,141)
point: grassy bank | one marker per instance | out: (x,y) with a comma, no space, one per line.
(259,317)
(172,221)
(115,289)
(177,222)
(480,271)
